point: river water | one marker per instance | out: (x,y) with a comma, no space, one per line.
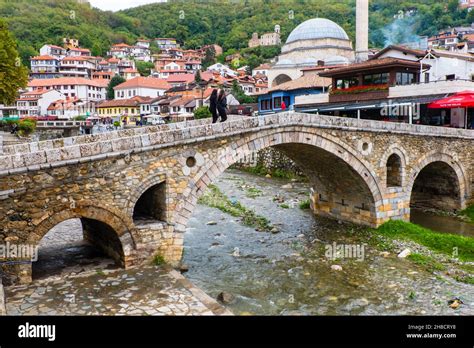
(289,273)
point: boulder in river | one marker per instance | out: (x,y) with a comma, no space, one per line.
(211,223)
(287,186)
(336,268)
(225,297)
(183,268)
(274,230)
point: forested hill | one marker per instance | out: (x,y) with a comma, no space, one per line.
(228,23)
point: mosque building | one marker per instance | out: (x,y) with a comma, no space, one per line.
(314,42)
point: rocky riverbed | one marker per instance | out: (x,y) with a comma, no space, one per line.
(289,272)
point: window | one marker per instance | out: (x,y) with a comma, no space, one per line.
(427,77)
(286,100)
(277,103)
(404,78)
(265,104)
(450,77)
(346,83)
(376,79)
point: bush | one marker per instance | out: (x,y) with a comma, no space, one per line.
(202,112)
(117,124)
(26,127)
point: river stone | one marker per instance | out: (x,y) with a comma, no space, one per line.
(226,297)
(336,268)
(404,253)
(211,223)
(385,254)
(287,186)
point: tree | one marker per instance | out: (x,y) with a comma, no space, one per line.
(13,75)
(240,95)
(144,68)
(197,77)
(209,58)
(115,81)
(202,112)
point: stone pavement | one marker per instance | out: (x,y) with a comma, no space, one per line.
(148,290)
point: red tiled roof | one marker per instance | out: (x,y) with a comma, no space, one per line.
(45,57)
(148,82)
(180,78)
(67,81)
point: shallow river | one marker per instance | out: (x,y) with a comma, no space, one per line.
(288,272)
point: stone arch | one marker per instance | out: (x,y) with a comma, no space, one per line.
(402,155)
(393,170)
(328,144)
(92,217)
(442,177)
(146,185)
(282,78)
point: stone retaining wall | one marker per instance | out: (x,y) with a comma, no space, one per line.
(3,310)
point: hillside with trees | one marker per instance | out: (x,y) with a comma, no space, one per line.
(228,23)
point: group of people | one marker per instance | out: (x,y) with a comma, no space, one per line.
(218,106)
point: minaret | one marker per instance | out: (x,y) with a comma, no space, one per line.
(362,30)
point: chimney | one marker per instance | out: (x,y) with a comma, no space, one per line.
(362,30)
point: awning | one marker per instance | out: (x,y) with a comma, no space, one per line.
(463,99)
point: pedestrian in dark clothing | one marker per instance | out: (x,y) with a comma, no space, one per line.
(222,105)
(213,106)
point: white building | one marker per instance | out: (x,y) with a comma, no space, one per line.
(261,70)
(54,51)
(444,65)
(141,86)
(76,67)
(44,67)
(74,87)
(222,69)
(35,103)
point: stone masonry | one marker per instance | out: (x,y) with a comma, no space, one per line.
(134,190)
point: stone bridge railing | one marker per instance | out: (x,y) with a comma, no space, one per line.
(55,153)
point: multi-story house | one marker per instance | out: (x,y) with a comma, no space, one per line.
(69,108)
(78,52)
(74,87)
(166,43)
(44,67)
(53,51)
(35,103)
(141,86)
(193,65)
(76,67)
(128,111)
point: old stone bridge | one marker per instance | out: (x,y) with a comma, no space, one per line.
(134,190)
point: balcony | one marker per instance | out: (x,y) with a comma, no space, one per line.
(431,88)
(359,93)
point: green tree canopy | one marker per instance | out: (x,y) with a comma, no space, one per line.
(115,81)
(13,75)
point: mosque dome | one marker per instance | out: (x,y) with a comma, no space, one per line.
(317,28)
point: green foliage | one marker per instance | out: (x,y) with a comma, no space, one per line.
(115,81)
(305,204)
(80,118)
(202,112)
(445,243)
(158,260)
(13,75)
(116,124)
(213,197)
(427,262)
(26,127)
(229,23)
(284,206)
(469,212)
(197,77)
(240,95)
(144,68)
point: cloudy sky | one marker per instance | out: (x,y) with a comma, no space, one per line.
(115,5)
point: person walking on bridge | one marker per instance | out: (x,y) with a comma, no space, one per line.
(222,105)
(213,106)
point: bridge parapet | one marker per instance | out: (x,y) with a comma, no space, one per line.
(59,152)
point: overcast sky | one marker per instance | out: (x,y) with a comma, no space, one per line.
(115,5)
